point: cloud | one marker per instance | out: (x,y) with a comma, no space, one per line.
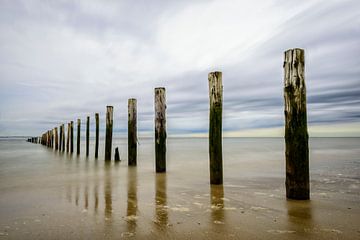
(64,60)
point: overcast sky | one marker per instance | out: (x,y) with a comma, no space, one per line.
(63,60)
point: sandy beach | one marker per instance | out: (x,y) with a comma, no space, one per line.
(51,195)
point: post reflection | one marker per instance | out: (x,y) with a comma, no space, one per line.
(107,191)
(300,214)
(131,211)
(217,203)
(161,213)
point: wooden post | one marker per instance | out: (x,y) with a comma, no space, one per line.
(52,138)
(215,127)
(117,155)
(160,129)
(87,135)
(60,137)
(78,137)
(68,137)
(56,139)
(71,137)
(96,135)
(132,132)
(63,137)
(108,133)
(296,134)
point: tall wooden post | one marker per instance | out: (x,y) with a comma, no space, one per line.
(52,138)
(78,137)
(296,134)
(71,137)
(68,137)
(87,135)
(56,139)
(160,129)
(132,132)
(96,135)
(60,138)
(215,127)
(63,137)
(108,133)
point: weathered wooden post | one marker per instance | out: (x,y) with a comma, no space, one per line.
(108,133)
(215,127)
(132,132)
(87,134)
(60,136)
(96,135)
(117,155)
(71,137)
(56,139)
(63,137)
(78,137)
(160,129)
(68,137)
(52,138)
(296,134)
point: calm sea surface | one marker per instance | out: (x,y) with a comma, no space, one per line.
(45,194)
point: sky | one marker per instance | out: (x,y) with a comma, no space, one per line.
(62,60)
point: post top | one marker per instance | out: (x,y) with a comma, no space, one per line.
(292,49)
(132,99)
(108,106)
(158,88)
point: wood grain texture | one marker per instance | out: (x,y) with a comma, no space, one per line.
(296,133)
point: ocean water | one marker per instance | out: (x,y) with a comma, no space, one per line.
(46,194)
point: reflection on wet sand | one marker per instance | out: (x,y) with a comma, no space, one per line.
(300,214)
(107,191)
(161,210)
(131,211)
(217,203)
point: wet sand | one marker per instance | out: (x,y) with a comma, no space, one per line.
(50,195)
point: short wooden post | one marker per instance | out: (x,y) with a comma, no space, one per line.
(296,134)
(160,129)
(96,135)
(215,127)
(60,138)
(108,133)
(56,139)
(117,155)
(87,135)
(78,137)
(132,132)
(71,137)
(68,137)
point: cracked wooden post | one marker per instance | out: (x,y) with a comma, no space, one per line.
(132,132)
(71,137)
(215,127)
(96,135)
(78,137)
(108,132)
(68,137)
(296,134)
(160,129)
(87,135)
(63,137)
